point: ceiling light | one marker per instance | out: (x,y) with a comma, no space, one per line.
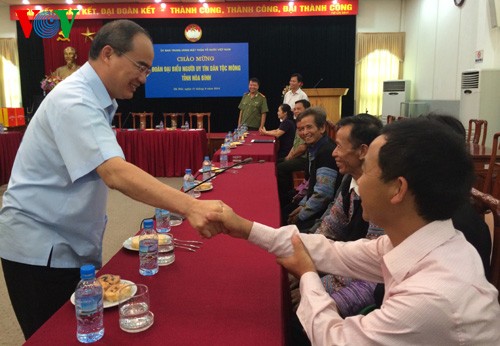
(38,7)
(79,7)
(26,2)
(163,5)
(69,2)
(205,5)
(157,1)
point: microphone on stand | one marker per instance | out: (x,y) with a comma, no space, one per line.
(316,85)
(244,162)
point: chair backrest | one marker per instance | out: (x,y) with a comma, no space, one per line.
(118,117)
(487,204)
(174,119)
(474,132)
(143,117)
(491,186)
(198,118)
(390,119)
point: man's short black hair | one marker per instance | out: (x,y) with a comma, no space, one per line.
(117,34)
(318,113)
(304,102)
(433,160)
(365,128)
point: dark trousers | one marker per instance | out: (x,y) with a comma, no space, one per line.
(37,292)
(285,179)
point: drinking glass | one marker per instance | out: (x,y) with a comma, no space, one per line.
(135,315)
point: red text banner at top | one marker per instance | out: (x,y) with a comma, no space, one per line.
(197,10)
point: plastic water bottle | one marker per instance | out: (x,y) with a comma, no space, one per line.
(162,217)
(148,249)
(189,183)
(161,125)
(88,306)
(223,157)
(206,168)
(186,125)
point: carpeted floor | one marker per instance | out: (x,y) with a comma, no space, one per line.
(124,216)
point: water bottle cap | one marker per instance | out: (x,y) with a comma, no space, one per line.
(87,271)
(188,170)
(148,223)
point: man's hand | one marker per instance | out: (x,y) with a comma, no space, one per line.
(300,262)
(197,217)
(230,222)
(293,217)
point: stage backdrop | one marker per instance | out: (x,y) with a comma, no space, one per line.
(320,48)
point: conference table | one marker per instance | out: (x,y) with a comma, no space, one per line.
(229,292)
(256,146)
(164,153)
(9,143)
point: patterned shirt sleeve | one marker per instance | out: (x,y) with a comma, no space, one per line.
(324,190)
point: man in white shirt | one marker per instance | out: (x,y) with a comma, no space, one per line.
(295,92)
(436,290)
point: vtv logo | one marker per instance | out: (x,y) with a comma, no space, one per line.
(46,23)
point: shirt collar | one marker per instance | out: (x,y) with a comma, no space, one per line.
(417,246)
(314,147)
(99,90)
(354,185)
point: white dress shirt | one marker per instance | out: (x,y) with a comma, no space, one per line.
(435,289)
(292,97)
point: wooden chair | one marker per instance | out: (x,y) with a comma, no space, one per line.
(490,207)
(491,180)
(199,118)
(118,117)
(174,119)
(331,130)
(390,119)
(143,117)
(475,135)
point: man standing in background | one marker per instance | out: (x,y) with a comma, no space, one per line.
(253,107)
(295,92)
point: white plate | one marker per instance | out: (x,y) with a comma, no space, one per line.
(127,244)
(203,189)
(214,169)
(107,304)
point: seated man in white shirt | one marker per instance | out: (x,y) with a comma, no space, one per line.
(436,290)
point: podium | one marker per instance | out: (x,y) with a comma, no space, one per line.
(328,98)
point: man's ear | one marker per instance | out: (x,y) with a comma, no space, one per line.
(399,190)
(106,52)
(362,150)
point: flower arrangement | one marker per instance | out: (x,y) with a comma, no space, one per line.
(285,90)
(49,83)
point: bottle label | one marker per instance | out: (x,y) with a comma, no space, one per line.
(89,305)
(148,245)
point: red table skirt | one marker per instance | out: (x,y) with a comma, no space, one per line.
(9,143)
(164,153)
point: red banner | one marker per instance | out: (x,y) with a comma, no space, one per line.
(197,10)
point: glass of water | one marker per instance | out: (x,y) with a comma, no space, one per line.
(237,159)
(166,253)
(134,309)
